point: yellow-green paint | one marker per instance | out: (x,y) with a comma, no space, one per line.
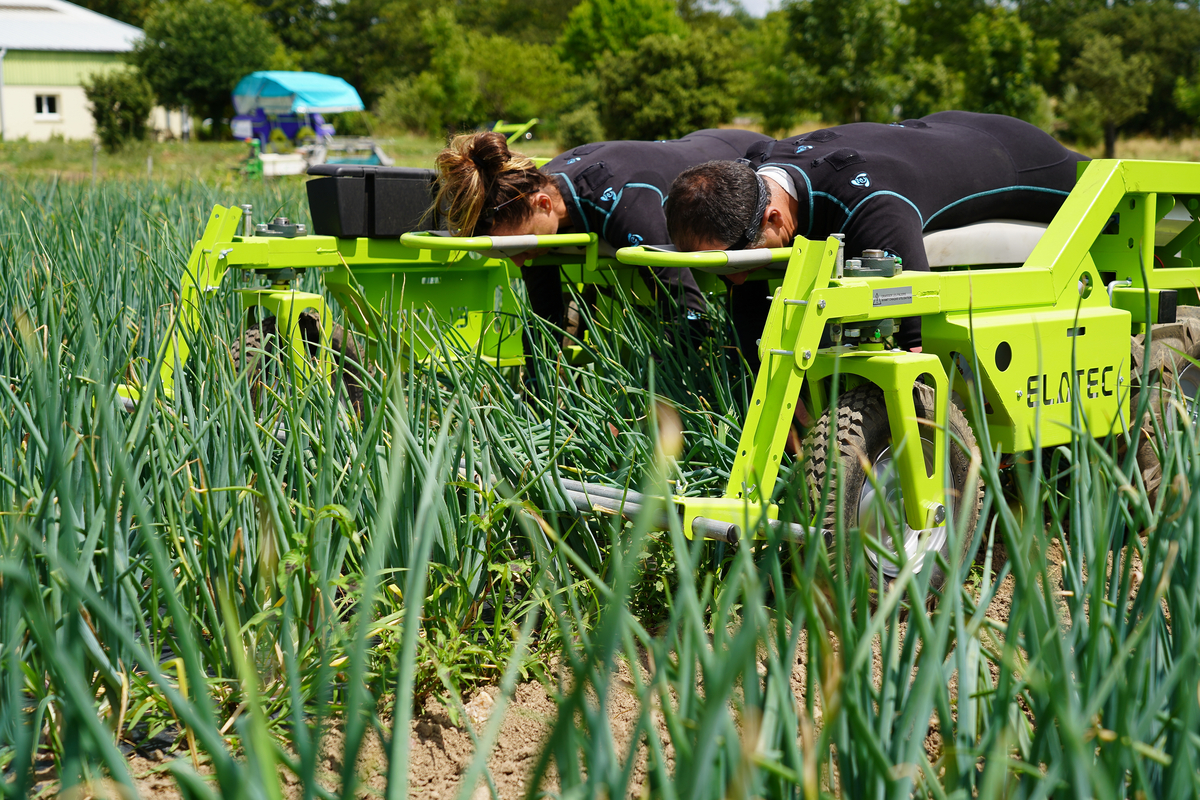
(53,68)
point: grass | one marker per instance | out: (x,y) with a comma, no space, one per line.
(245,572)
(216,162)
(210,162)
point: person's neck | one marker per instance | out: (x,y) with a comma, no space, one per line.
(788,207)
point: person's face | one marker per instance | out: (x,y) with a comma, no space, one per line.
(542,222)
(773,233)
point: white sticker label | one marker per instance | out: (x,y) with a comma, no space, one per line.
(892,297)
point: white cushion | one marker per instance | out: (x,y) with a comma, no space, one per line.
(1010,241)
(993,241)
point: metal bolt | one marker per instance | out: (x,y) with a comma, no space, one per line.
(821,304)
(1120,379)
(1018,393)
(939,514)
(807,354)
(247,220)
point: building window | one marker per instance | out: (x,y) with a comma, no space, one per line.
(46,107)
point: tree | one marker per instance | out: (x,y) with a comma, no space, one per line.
(131,11)
(526,21)
(1116,82)
(777,85)
(443,97)
(858,48)
(515,80)
(933,85)
(1004,67)
(1166,35)
(301,25)
(194,52)
(668,86)
(372,43)
(597,27)
(121,104)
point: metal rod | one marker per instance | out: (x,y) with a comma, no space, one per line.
(600,490)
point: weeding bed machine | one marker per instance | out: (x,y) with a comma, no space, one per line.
(1038,330)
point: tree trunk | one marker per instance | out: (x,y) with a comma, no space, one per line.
(1110,140)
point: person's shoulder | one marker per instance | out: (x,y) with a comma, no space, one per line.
(583,154)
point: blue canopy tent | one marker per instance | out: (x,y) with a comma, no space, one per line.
(289,101)
(292,101)
(294,93)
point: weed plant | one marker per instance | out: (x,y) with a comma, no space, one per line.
(245,569)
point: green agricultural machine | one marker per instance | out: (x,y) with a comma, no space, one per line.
(1039,330)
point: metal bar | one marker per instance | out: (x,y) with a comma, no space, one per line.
(600,490)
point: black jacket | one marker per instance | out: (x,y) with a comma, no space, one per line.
(617,189)
(885,185)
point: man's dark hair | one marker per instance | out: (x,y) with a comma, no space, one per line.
(714,201)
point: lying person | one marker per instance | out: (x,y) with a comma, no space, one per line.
(882,186)
(615,189)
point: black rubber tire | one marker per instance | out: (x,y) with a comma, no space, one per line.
(863,434)
(261,340)
(1171,345)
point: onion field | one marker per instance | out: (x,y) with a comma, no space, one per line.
(249,576)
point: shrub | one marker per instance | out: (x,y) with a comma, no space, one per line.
(665,88)
(121,104)
(580,126)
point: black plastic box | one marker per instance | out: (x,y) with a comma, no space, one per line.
(353,200)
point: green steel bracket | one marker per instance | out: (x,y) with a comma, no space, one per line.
(791,336)
(745,515)
(895,372)
(205,270)
(287,305)
(1134,301)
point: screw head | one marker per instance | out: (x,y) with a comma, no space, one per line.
(821,304)
(1019,393)
(808,353)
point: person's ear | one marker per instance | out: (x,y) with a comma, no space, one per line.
(543,203)
(772,217)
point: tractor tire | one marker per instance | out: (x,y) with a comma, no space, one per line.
(259,348)
(1171,375)
(864,442)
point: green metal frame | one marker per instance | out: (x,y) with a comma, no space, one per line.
(1048,349)
(1041,345)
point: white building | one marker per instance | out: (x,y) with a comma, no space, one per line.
(48,48)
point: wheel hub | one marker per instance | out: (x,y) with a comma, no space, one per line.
(885,492)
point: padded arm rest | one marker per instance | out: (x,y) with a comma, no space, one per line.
(719,262)
(440,240)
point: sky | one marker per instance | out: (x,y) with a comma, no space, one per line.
(759,8)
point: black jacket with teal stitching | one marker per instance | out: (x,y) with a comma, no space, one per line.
(883,186)
(616,190)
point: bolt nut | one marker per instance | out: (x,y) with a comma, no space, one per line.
(808,354)
(939,514)
(1019,393)
(821,304)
